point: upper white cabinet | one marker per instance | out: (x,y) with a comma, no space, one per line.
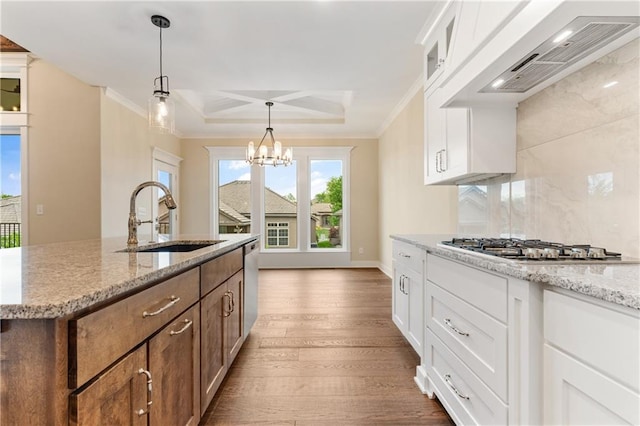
(467,144)
(438,45)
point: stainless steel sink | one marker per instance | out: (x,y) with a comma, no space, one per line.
(172,246)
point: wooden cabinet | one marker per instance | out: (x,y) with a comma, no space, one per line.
(222,329)
(120,396)
(174,361)
(467,144)
(591,369)
(408,293)
(160,379)
(152,357)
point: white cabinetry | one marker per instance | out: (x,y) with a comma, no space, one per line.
(591,367)
(408,292)
(467,144)
(438,45)
(483,351)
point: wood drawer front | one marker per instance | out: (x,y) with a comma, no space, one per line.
(99,338)
(602,338)
(220,269)
(408,256)
(485,291)
(446,372)
(484,349)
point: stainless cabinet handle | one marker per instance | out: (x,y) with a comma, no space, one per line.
(447,378)
(141,411)
(233,301)
(454,328)
(404,287)
(228,312)
(443,161)
(408,256)
(401,284)
(438,162)
(187,324)
(172,302)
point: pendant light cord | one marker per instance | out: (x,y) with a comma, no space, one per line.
(161,85)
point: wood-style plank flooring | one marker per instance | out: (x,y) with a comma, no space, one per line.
(324,351)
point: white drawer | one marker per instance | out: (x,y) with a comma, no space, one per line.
(475,337)
(409,256)
(463,393)
(486,291)
(606,339)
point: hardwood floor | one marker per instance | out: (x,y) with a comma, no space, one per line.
(324,351)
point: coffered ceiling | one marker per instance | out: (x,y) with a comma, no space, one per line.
(332,68)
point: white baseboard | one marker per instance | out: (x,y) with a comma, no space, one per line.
(365,264)
(386,270)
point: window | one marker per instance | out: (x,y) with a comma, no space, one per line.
(11,188)
(281,204)
(325,181)
(166,169)
(234,197)
(277,234)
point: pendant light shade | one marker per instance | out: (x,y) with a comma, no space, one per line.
(162,111)
(261,156)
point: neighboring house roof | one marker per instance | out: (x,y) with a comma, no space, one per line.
(321,208)
(232,214)
(237,196)
(10,209)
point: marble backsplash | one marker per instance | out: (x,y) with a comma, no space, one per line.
(578,163)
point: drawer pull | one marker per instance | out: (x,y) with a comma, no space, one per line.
(227,313)
(454,328)
(447,378)
(405,255)
(141,412)
(173,301)
(187,324)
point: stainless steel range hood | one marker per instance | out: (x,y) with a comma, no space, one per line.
(578,39)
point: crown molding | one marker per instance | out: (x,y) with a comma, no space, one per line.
(117,97)
(417,85)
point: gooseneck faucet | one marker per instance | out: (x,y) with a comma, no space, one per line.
(132,241)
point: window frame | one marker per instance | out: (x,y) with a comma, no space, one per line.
(302,255)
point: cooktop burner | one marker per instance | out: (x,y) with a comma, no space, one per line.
(536,250)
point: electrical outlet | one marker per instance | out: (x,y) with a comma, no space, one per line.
(361,250)
(39,209)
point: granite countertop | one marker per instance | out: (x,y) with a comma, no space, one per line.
(59,279)
(613,282)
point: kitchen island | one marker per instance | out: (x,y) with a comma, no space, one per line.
(520,342)
(87,327)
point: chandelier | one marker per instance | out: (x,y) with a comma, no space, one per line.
(161,107)
(261,156)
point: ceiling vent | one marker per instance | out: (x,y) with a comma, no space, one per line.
(583,36)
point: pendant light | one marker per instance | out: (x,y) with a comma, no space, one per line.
(161,107)
(261,156)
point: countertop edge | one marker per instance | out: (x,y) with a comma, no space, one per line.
(87,300)
(519,271)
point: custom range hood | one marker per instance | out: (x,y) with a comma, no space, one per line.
(534,49)
(581,37)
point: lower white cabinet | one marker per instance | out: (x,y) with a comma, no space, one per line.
(483,348)
(408,293)
(591,362)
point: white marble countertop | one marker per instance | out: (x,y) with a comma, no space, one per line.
(59,279)
(613,282)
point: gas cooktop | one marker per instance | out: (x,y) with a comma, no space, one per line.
(535,250)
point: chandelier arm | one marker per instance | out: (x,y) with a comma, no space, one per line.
(262,140)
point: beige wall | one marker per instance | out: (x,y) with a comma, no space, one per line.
(406,205)
(126,159)
(63,156)
(195,188)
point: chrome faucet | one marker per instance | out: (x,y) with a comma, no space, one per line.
(132,241)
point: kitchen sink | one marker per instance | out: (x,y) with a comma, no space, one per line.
(172,246)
